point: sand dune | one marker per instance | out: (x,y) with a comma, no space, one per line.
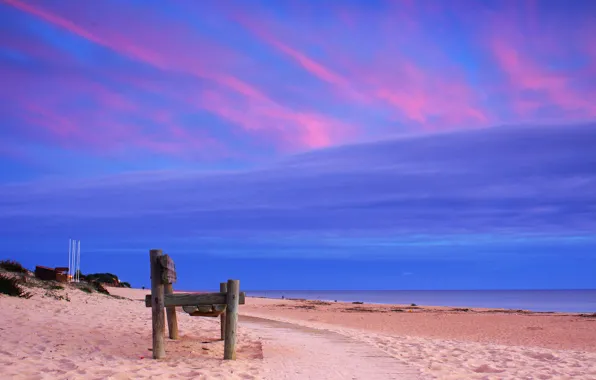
(100,337)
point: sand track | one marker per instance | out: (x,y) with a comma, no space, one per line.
(297,352)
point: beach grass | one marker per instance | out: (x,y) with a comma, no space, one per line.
(11,286)
(12,266)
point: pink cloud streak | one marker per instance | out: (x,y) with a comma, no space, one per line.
(43,117)
(164,56)
(417,95)
(526,75)
(404,79)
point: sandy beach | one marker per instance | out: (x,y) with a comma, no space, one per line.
(435,153)
(455,343)
(70,334)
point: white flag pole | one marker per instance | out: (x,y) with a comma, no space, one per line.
(69,255)
(75,261)
(74,250)
(79,262)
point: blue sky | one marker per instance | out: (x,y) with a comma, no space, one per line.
(500,207)
(303,145)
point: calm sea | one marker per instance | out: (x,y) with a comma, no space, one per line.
(582,301)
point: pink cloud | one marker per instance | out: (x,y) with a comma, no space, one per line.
(310,65)
(538,54)
(54,19)
(169,54)
(58,126)
(402,76)
(412,104)
(344,87)
(274,123)
(102,132)
(291,129)
(44,115)
(524,74)
(434,100)
(306,62)
(242,88)
(254,112)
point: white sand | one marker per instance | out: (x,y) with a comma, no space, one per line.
(99,337)
(442,358)
(94,336)
(295,352)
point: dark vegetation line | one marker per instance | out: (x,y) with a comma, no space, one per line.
(13,277)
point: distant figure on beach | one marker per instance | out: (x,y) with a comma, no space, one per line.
(282,297)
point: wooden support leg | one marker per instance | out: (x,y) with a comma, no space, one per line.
(231,319)
(157,305)
(171,314)
(223,288)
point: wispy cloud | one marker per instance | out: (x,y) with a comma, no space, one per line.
(478,183)
(169,55)
(118,80)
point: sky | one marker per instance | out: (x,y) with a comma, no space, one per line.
(303,144)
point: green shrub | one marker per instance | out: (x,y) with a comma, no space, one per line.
(108,278)
(125,284)
(11,287)
(413,304)
(56,287)
(86,289)
(12,266)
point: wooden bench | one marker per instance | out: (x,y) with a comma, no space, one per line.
(223,304)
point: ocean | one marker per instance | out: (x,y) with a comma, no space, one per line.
(576,301)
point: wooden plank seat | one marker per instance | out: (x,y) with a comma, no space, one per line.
(223,304)
(193,299)
(205,310)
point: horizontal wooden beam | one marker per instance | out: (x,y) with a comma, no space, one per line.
(191,299)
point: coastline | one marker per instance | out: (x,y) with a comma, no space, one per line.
(432,308)
(535,300)
(513,327)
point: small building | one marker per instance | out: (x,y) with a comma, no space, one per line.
(52,274)
(62,274)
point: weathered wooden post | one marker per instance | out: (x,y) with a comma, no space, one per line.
(171,314)
(223,288)
(163,275)
(168,277)
(232,300)
(157,304)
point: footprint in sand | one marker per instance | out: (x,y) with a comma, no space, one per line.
(541,356)
(66,364)
(485,368)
